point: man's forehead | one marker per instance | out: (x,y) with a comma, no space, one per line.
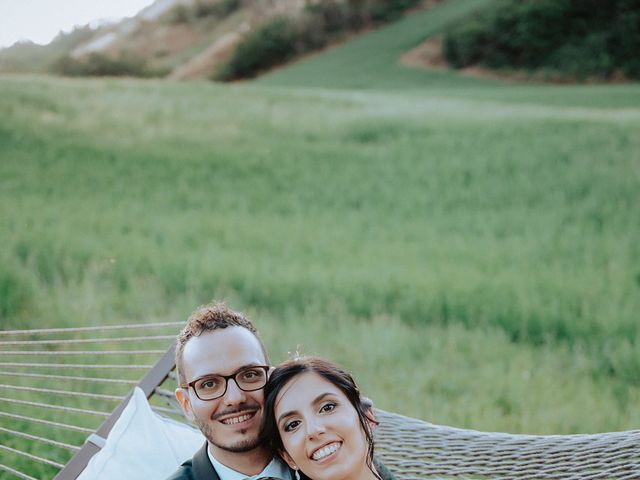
(221,351)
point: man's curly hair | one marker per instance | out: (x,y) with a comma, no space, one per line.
(207,318)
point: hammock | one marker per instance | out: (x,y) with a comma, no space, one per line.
(63,390)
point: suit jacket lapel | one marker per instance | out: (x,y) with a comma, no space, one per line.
(202,468)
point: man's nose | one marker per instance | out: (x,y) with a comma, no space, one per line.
(233,394)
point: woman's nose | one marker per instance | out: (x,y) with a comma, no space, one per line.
(315,427)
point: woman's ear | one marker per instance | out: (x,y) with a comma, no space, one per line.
(182,395)
(287,458)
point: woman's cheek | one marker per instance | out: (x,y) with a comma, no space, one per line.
(290,443)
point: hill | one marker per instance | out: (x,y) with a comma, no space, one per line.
(178,38)
(372,60)
(193,39)
(238,39)
(376,60)
(27,57)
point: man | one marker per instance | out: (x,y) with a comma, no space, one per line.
(222,368)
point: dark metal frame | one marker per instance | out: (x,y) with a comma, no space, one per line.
(226,379)
(148,384)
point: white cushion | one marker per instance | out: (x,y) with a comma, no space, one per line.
(142,444)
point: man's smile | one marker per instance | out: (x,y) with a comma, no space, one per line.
(243,417)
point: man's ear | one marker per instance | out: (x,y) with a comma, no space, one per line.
(287,458)
(182,395)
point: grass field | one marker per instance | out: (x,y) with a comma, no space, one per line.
(138,200)
(469,249)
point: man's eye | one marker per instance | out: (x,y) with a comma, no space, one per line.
(327,407)
(252,375)
(209,383)
(291,425)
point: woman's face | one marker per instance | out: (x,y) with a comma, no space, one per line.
(320,429)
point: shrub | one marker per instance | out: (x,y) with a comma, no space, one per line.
(581,59)
(179,13)
(580,39)
(625,39)
(217,8)
(331,14)
(358,14)
(271,44)
(227,7)
(389,10)
(100,64)
(464,46)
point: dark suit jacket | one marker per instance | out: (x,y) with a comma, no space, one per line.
(199,468)
(196,468)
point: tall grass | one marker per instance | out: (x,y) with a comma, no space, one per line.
(129,200)
(435,209)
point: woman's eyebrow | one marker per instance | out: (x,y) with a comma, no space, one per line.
(318,399)
(287,414)
(321,397)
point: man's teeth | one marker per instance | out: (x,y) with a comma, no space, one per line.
(324,451)
(234,420)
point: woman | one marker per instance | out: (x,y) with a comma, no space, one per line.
(317,421)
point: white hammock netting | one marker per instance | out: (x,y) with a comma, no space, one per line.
(60,387)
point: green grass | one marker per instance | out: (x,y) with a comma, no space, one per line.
(138,200)
(434,209)
(371,61)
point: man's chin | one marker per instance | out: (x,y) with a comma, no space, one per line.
(243,446)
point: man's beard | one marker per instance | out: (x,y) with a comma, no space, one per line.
(242,446)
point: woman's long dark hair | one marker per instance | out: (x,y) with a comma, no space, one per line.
(331,372)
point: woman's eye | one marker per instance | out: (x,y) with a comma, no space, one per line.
(327,407)
(291,425)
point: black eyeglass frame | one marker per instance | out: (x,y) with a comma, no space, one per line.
(226,378)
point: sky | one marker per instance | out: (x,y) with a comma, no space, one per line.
(41,20)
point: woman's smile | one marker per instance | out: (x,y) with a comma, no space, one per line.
(326,451)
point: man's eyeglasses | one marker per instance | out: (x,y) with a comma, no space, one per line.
(211,387)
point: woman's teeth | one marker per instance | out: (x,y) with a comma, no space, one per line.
(234,420)
(325,451)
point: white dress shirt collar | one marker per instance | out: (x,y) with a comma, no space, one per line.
(276,469)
